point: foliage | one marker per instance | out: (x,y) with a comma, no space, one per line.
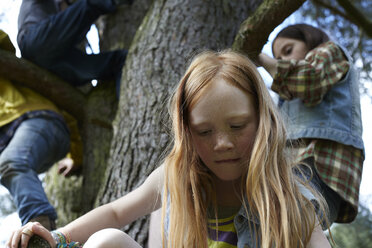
(340,27)
(356,234)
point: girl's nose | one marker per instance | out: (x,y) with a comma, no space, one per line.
(223,142)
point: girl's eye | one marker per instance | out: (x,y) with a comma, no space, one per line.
(204,132)
(288,51)
(240,126)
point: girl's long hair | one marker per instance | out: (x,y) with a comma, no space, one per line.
(286,218)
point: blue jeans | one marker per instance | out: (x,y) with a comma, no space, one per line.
(36,145)
(52,44)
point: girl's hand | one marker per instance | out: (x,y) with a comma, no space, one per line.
(21,237)
(67,167)
(268,63)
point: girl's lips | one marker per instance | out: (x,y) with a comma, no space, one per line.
(234,160)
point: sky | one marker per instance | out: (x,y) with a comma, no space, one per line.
(8,23)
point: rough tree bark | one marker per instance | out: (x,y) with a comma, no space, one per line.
(171,33)
(126,145)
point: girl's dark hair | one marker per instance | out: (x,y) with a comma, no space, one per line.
(312,36)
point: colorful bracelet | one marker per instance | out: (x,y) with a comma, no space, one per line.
(63,242)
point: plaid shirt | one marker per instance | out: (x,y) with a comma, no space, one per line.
(338,165)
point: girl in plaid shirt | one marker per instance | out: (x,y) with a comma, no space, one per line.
(319,96)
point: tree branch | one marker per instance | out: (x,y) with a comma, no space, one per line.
(359,18)
(254,32)
(350,13)
(27,74)
(333,9)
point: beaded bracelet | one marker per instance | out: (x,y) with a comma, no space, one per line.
(63,242)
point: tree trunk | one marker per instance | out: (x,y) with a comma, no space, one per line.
(98,130)
(170,34)
(76,195)
(121,148)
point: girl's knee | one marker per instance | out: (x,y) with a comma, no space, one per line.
(111,238)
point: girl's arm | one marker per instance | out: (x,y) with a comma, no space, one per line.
(141,201)
(269,63)
(308,79)
(318,239)
(116,214)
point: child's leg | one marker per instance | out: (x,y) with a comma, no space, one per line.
(36,145)
(111,238)
(79,68)
(61,31)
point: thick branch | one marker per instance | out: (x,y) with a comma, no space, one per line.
(254,31)
(21,71)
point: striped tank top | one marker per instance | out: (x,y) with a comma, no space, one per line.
(226,236)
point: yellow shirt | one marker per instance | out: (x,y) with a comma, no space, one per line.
(16,100)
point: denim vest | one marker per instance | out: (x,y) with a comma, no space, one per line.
(336,118)
(247,225)
(246,228)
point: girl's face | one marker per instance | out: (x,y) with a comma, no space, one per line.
(223,128)
(287,48)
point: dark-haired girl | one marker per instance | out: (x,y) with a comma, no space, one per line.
(318,89)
